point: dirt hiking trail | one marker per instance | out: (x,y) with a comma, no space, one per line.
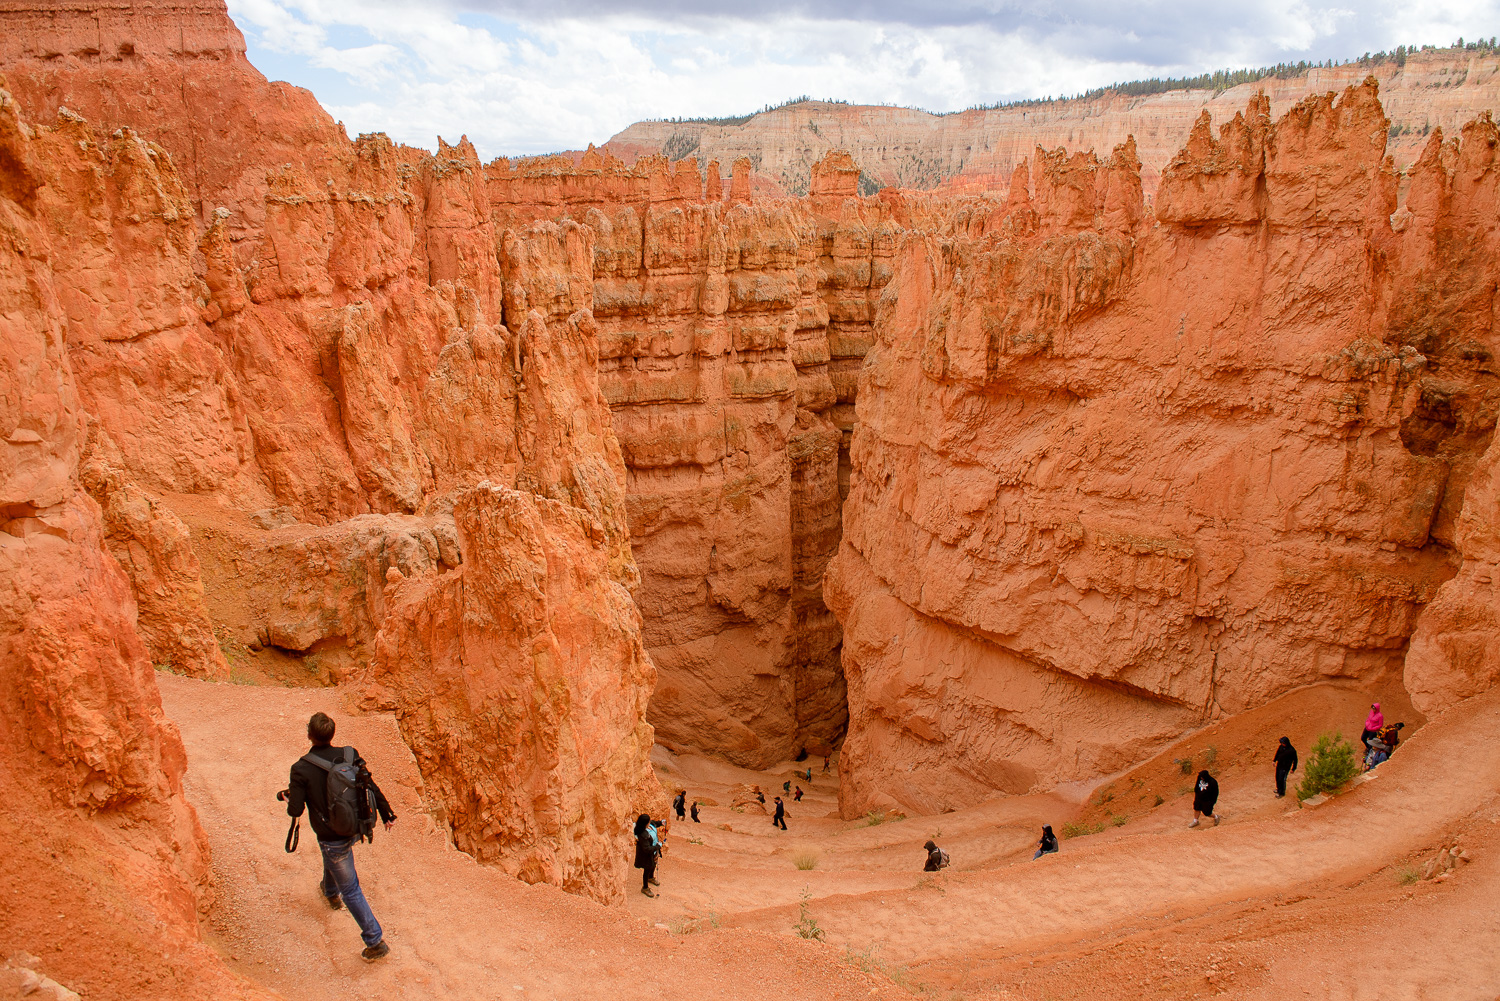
(1275,902)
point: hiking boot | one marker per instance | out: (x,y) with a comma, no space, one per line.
(653,881)
(647,891)
(1216,820)
(376,951)
(1194,823)
(335,903)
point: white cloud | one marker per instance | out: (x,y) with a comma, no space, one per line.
(527,76)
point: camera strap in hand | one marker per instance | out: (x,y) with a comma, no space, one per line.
(293,834)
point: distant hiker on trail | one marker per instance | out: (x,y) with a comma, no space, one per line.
(780,819)
(1048,844)
(760,796)
(1205,798)
(786,786)
(647,850)
(825,764)
(336,788)
(1379,751)
(1391,735)
(680,803)
(695,813)
(1286,762)
(1373,723)
(797,796)
(936,858)
(809,773)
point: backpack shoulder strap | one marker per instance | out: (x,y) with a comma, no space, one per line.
(349,755)
(313,759)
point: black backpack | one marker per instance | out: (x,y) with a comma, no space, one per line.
(351,803)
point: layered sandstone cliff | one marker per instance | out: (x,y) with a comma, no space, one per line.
(729,333)
(90,770)
(977,150)
(1116,475)
(326,352)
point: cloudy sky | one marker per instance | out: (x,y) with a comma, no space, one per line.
(533,76)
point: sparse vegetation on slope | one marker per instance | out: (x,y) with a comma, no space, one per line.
(1330,765)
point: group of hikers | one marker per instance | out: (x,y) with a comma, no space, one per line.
(335,788)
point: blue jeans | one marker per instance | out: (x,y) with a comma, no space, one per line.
(340,877)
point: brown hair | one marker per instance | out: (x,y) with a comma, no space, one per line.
(320,729)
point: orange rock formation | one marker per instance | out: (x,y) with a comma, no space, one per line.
(1114,476)
(978,149)
(342,365)
(514,448)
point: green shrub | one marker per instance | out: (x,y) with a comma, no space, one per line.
(1407,875)
(1210,755)
(1073,830)
(875,818)
(1330,765)
(807,925)
(1119,819)
(1159,801)
(1186,764)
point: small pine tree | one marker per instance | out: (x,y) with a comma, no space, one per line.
(1330,765)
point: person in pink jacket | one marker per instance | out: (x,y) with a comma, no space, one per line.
(1373,724)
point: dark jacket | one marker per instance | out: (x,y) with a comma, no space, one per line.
(934,859)
(780,811)
(1048,842)
(1286,758)
(1205,793)
(309,790)
(646,848)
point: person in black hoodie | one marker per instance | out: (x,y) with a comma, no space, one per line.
(309,790)
(780,819)
(1286,763)
(647,848)
(934,857)
(1205,798)
(680,803)
(695,812)
(1048,844)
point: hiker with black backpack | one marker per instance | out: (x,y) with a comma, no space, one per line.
(341,798)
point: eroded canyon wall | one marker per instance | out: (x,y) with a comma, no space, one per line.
(977,149)
(1116,475)
(324,348)
(90,769)
(729,335)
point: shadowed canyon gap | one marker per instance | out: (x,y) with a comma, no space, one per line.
(510,449)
